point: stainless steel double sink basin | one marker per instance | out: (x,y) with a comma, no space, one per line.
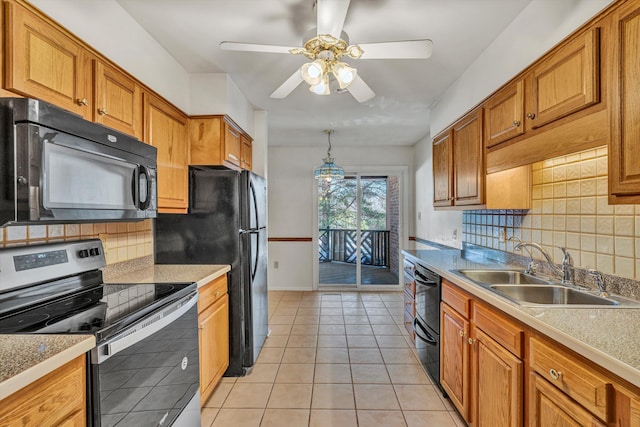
(535,291)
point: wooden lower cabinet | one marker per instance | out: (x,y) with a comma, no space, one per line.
(548,406)
(213,324)
(498,387)
(57,399)
(454,352)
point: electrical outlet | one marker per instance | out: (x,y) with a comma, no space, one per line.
(419,215)
(276,264)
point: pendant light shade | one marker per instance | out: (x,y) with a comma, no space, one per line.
(329,170)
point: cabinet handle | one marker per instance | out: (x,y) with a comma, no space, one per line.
(516,123)
(471,341)
(217,293)
(531,116)
(103,111)
(556,375)
(82,101)
(461,332)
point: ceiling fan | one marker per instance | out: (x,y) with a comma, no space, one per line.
(326,49)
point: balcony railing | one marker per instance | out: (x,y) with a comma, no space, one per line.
(341,245)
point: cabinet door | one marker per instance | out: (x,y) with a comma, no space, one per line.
(118,100)
(504,114)
(59,398)
(454,354)
(43,62)
(166,129)
(468,161)
(246,152)
(442,170)
(624,156)
(214,345)
(548,406)
(566,82)
(498,394)
(232,145)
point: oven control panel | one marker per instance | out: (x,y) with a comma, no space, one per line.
(26,265)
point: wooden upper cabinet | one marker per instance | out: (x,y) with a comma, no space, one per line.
(165,128)
(118,100)
(565,82)
(504,114)
(44,62)
(468,160)
(216,140)
(442,170)
(246,152)
(624,155)
(232,144)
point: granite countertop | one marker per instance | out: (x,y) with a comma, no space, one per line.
(26,358)
(159,273)
(606,336)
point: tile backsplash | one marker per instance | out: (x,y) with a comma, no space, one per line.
(570,209)
(121,241)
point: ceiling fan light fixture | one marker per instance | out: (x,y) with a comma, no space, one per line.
(314,72)
(344,74)
(354,51)
(321,88)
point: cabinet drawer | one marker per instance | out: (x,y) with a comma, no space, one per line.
(409,285)
(500,328)
(576,378)
(211,292)
(455,298)
(409,268)
(409,303)
(408,323)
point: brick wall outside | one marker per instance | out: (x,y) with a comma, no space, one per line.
(393,219)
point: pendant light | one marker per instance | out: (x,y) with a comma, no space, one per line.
(329,170)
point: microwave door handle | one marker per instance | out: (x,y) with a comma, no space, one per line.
(144,204)
(134,187)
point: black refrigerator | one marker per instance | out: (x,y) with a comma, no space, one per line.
(225,224)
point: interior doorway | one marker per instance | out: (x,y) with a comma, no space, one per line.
(359,231)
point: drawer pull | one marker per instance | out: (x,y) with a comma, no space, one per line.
(556,375)
(217,293)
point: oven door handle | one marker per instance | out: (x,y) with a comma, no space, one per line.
(428,339)
(428,280)
(148,326)
(425,283)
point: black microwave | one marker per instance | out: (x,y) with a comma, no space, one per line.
(60,168)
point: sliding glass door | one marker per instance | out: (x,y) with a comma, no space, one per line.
(358,222)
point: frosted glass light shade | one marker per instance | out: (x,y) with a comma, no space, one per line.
(344,74)
(313,72)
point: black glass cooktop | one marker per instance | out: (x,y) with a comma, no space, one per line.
(100,309)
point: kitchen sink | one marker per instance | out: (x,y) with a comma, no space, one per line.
(495,277)
(551,295)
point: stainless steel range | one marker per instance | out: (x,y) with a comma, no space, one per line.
(144,370)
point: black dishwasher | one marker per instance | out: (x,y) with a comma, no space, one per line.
(426,324)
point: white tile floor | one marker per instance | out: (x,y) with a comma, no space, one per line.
(338,359)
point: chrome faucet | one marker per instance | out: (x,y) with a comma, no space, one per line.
(531,267)
(600,283)
(566,272)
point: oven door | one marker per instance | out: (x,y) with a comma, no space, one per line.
(61,177)
(428,301)
(149,373)
(428,348)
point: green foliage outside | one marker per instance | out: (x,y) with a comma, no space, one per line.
(337,205)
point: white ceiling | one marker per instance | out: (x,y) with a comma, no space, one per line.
(191,30)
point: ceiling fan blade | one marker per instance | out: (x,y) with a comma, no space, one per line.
(252,47)
(360,90)
(410,49)
(288,86)
(331,15)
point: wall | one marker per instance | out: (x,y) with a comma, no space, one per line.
(537,29)
(436,226)
(569,209)
(121,241)
(292,191)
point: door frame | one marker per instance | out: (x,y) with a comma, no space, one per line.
(403,227)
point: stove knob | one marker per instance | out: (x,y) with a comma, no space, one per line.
(83,253)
